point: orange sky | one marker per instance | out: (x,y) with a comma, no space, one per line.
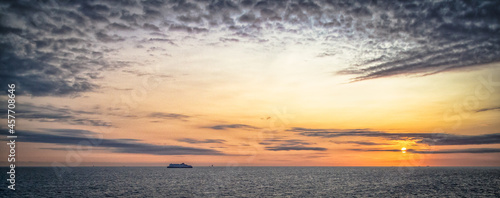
(202,89)
(396,105)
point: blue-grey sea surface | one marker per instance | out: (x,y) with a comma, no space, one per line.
(256,182)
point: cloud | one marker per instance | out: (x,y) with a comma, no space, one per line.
(441,38)
(423,138)
(48,82)
(289,145)
(232,126)
(285,142)
(205,141)
(450,151)
(294,148)
(186,28)
(169,41)
(70,132)
(119,27)
(449,139)
(139,73)
(151,27)
(168,115)
(378,38)
(332,133)
(95,12)
(49,113)
(86,138)
(89,122)
(364,143)
(470,150)
(107,38)
(53,48)
(225,40)
(488,109)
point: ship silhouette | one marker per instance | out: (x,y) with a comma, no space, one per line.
(182,165)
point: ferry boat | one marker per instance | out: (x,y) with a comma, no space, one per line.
(179,166)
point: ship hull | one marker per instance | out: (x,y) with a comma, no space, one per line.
(179,166)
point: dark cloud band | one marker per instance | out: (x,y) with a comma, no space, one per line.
(232,126)
(168,115)
(294,148)
(205,141)
(88,138)
(452,151)
(278,144)
(48,113)
(423,138)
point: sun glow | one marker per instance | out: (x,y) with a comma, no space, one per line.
(403,149)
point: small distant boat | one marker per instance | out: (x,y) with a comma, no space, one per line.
(179,166)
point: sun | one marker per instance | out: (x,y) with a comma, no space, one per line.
(403,149)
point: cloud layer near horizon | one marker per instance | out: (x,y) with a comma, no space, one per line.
(49,113)
(88,138)
(61,48)
(279,144)
(430,139)
(451,151)
(421,138)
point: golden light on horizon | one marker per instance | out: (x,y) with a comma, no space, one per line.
(259,90)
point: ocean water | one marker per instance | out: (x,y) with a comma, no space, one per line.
(256,182)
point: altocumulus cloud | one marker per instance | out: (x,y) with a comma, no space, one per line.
(55,47)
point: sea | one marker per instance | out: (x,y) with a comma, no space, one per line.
(255,182)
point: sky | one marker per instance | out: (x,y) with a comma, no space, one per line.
(252,83)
